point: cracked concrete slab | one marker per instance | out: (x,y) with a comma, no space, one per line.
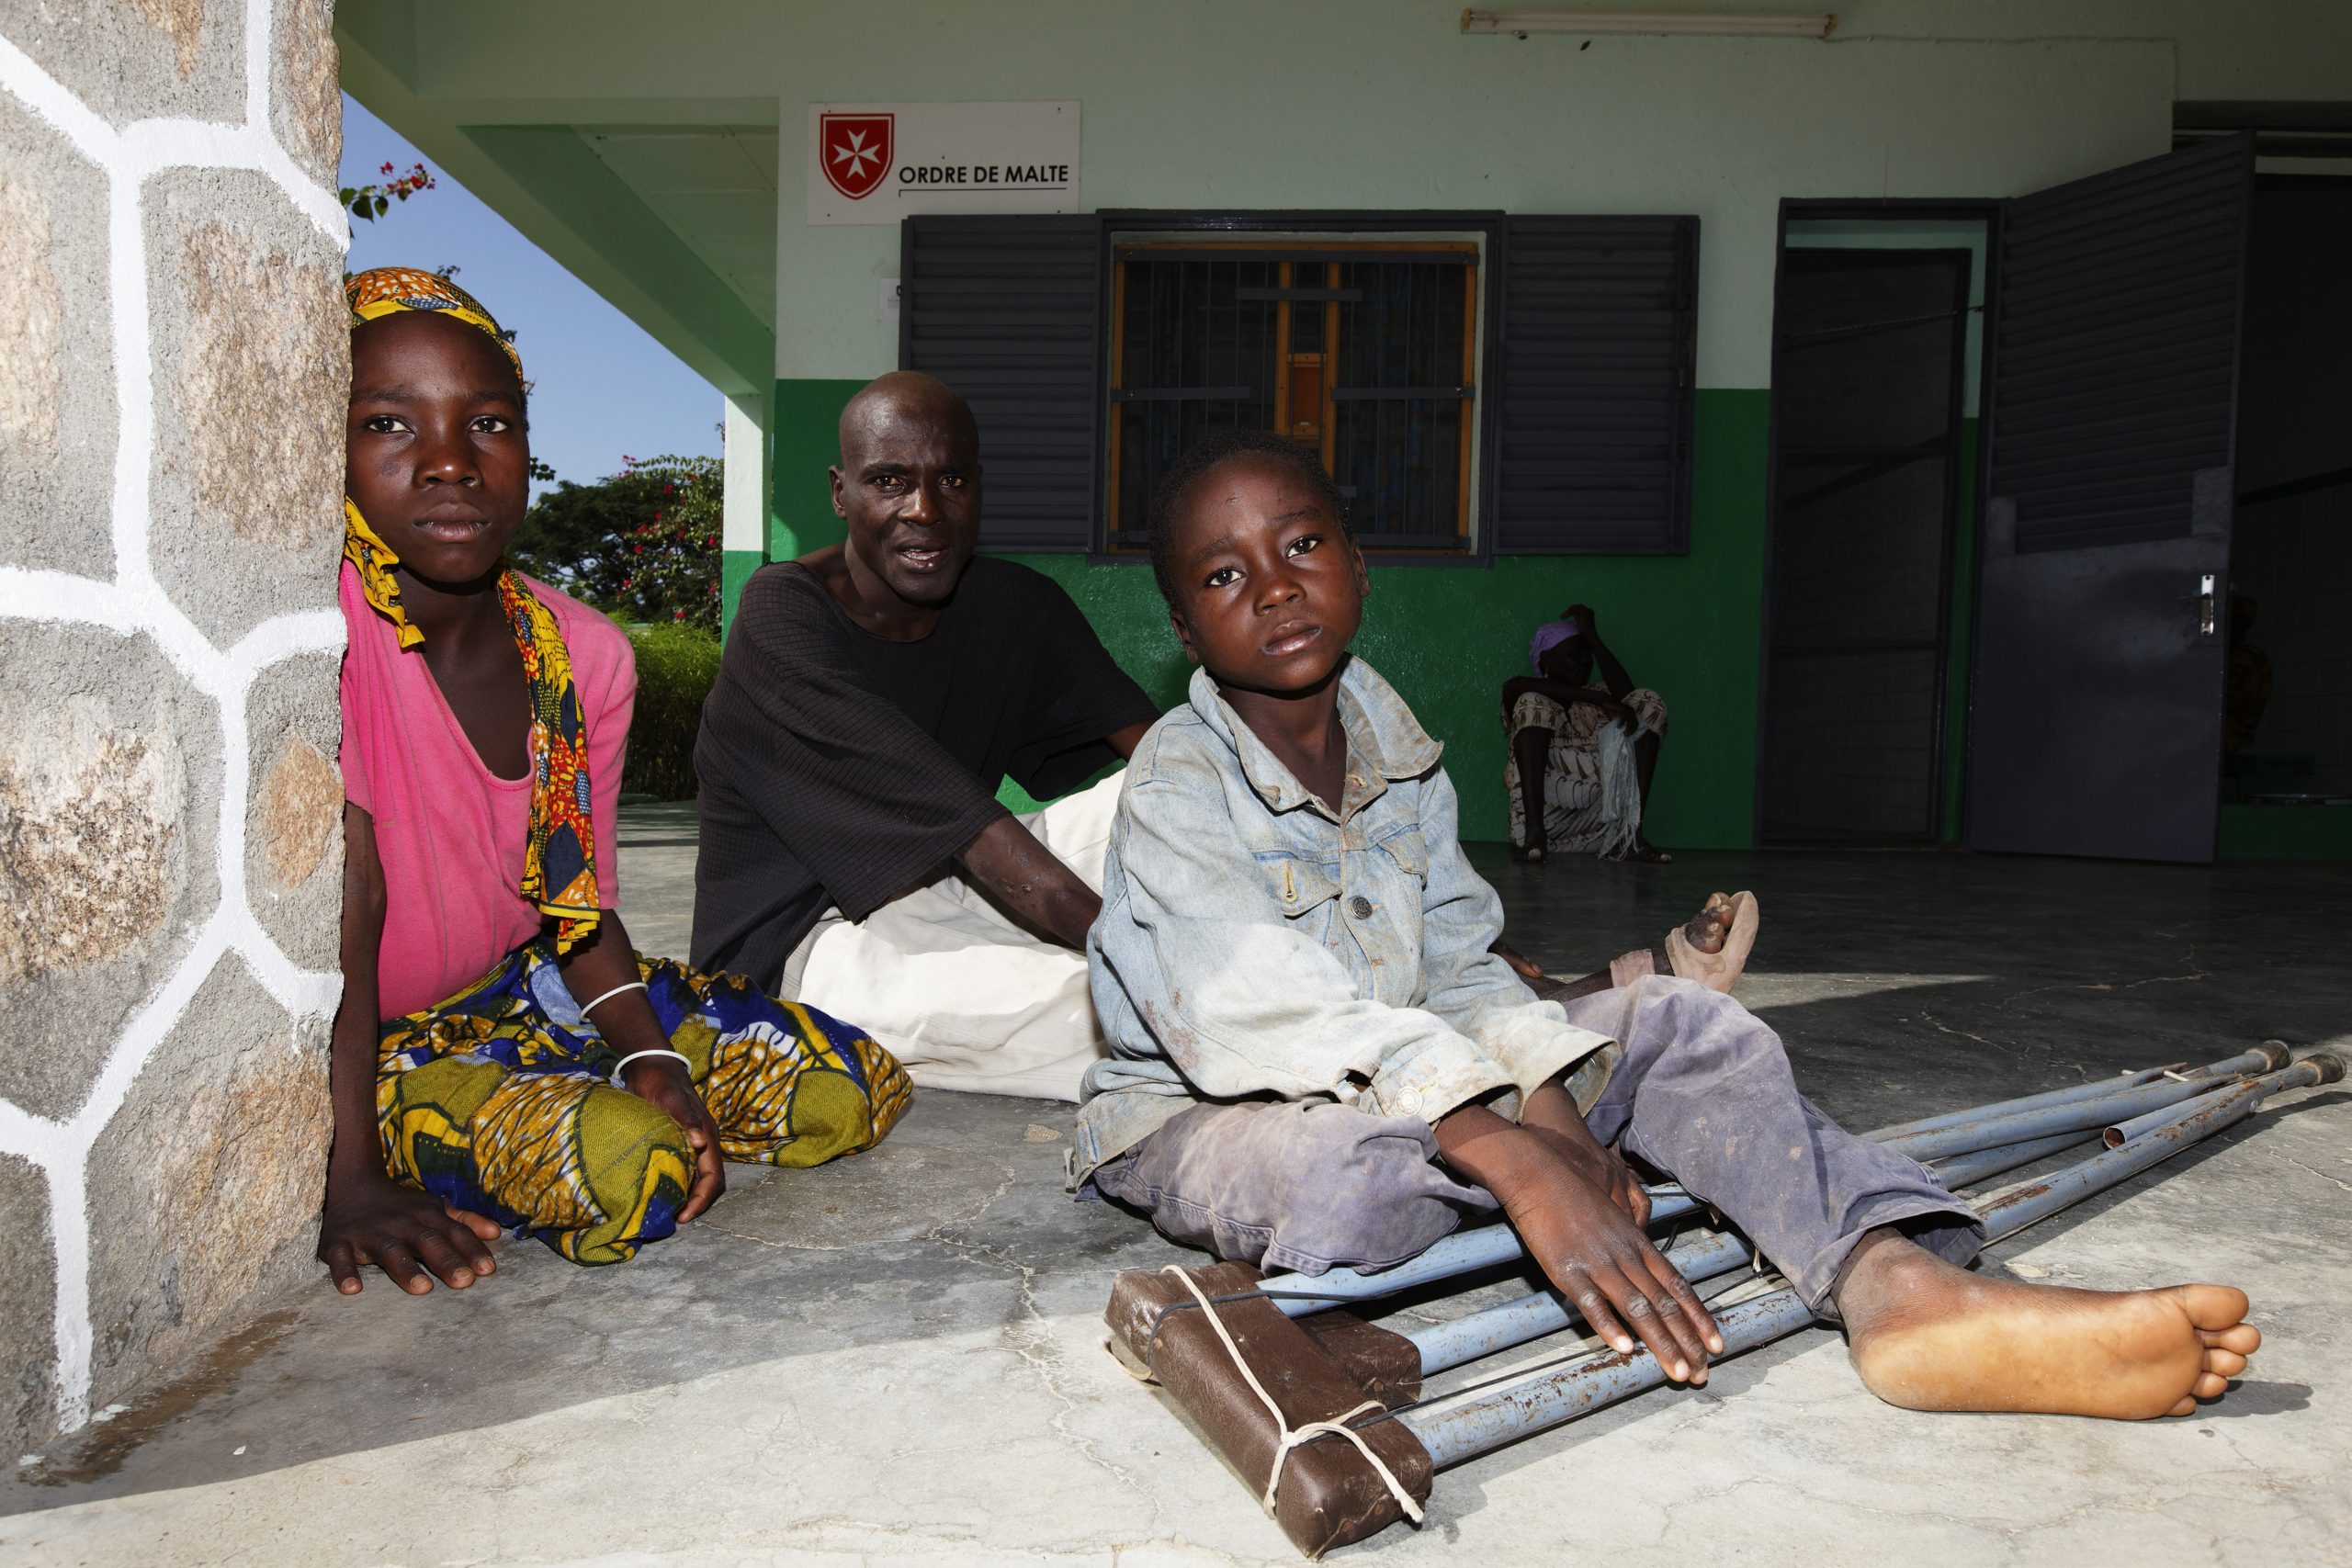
(898,1359)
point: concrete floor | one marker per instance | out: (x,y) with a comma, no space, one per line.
(898,1359)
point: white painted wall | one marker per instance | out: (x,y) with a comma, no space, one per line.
(1386,103)
(744,509)
(1271,107)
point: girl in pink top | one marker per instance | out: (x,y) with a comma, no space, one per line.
(503,1059)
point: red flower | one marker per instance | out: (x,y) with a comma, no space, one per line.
(387,169)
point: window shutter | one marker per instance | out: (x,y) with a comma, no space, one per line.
(1596,350)
(1007,310)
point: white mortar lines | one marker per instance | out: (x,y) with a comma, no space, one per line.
(135,603)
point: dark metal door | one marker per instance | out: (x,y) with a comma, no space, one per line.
(2096,706)
(1868,365)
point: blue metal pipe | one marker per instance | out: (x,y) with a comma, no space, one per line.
(2042,1121)
(1491,1245)
(1457,1432)
(2014,1208)
(1966,1170)
(2319,1067)
(1478,1334)
(1463,1252)
(2071,1092)
(2131,1127)
(2266,1057)
(1669,1203)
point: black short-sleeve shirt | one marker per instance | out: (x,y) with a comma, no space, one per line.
(838,767)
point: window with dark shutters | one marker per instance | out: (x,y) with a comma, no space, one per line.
(1008,311)
(1365,350)
(1580,443)
(1595,348)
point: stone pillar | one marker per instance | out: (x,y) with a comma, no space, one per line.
(173,367)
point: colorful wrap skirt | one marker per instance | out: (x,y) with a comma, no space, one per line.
(499,1100)
(1589,808)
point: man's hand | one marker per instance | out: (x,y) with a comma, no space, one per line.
(1597,1257)
(411,1236)
(1551,1114)
(667,1086)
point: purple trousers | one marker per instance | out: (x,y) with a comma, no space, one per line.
(1699,1090)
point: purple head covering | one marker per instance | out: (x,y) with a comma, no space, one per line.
(1548,635)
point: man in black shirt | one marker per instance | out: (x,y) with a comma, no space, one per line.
(871,697)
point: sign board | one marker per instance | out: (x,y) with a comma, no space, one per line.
(877,163)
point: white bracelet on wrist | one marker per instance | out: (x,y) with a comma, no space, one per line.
(591,1007)
(621,1065)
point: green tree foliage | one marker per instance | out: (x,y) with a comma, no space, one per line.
(642,546)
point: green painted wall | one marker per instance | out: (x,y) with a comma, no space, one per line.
(2285,832)
(1448,636)
(806,443)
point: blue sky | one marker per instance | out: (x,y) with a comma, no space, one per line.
(600,386)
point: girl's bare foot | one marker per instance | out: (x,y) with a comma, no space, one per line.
(1712,946)
(1927,1336)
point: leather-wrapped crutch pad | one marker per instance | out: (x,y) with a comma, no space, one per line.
(1328,1495)
(1382,1362)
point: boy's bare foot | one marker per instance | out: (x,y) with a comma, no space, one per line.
(1712,946)
(1929,1335)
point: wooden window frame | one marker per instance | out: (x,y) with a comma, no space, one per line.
(1478,234)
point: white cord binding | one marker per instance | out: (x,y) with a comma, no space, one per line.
(1291,1438)
(608,996)
(656,1051)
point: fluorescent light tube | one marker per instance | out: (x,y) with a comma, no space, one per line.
(1708,24)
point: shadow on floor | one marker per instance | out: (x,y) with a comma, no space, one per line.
(1903,984)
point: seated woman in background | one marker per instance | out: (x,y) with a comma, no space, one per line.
(1578,760)
(502,1058)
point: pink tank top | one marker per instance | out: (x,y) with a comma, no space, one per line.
(449,832)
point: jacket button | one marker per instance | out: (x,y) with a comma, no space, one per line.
(1360,907)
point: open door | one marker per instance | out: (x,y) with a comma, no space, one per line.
(2096,705)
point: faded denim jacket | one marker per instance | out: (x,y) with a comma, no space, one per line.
(1255,944)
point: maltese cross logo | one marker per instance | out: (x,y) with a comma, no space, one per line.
(856,149)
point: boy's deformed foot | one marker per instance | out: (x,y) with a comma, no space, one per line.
(1929,1335)
(1712,947)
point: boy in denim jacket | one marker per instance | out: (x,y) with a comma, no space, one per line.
(1318,1061)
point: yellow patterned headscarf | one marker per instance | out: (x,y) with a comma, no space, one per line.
(382,290)
(559,864)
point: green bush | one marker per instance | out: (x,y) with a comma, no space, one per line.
(676,664)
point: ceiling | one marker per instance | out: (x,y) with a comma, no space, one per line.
(714,185)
